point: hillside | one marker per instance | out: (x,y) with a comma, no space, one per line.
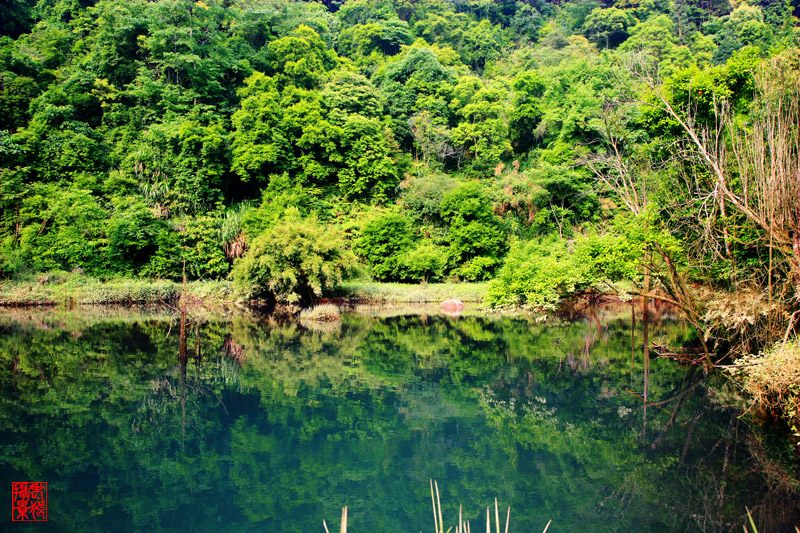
(292,144)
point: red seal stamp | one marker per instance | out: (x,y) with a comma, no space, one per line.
(29,501)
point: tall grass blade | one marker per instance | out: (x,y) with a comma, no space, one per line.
(508,517)
(439,505)
(547,526)
(433,504)
(325,526)
(344,519)
(496,517)
(752,522)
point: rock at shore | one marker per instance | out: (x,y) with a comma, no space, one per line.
(452,305)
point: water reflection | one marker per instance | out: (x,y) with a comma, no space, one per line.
(143,421)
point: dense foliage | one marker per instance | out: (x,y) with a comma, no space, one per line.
(427,137)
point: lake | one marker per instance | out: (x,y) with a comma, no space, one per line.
(261,424)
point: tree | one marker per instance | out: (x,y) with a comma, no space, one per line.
(370,168)
(135,236)
(349,93)
(300,59)
(526,112)
(414,81)
(608,27)
(259,145)
(384,37)
(474,230)
(179,165)
(425,262)
(483,129)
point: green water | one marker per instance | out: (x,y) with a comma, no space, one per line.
(273,426)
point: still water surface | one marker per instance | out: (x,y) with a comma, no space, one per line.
(271,425)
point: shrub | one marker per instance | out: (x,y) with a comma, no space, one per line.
(11,260)
(772,379)
(295,261)
(477,268)
(134,236)
(203,248)
(475,239)
(426,262)
(537,275)
(383,242)
(61,229)
(540,273)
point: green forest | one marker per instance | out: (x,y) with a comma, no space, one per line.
(550,148)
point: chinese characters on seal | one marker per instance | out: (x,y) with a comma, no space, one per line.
(29,501)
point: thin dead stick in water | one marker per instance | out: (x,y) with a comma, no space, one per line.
(547,526)
(508,517)
(325,526)
(344,519)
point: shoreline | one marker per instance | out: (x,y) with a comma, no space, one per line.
(70,290)
(76,293)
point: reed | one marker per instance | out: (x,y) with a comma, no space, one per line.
(462,526)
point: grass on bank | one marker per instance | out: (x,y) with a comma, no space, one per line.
(69,288)
(373,291)
(59,288)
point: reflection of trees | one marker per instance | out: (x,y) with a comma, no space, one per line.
(267,422)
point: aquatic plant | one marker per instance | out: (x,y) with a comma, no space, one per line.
(462,526)
(321,313)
